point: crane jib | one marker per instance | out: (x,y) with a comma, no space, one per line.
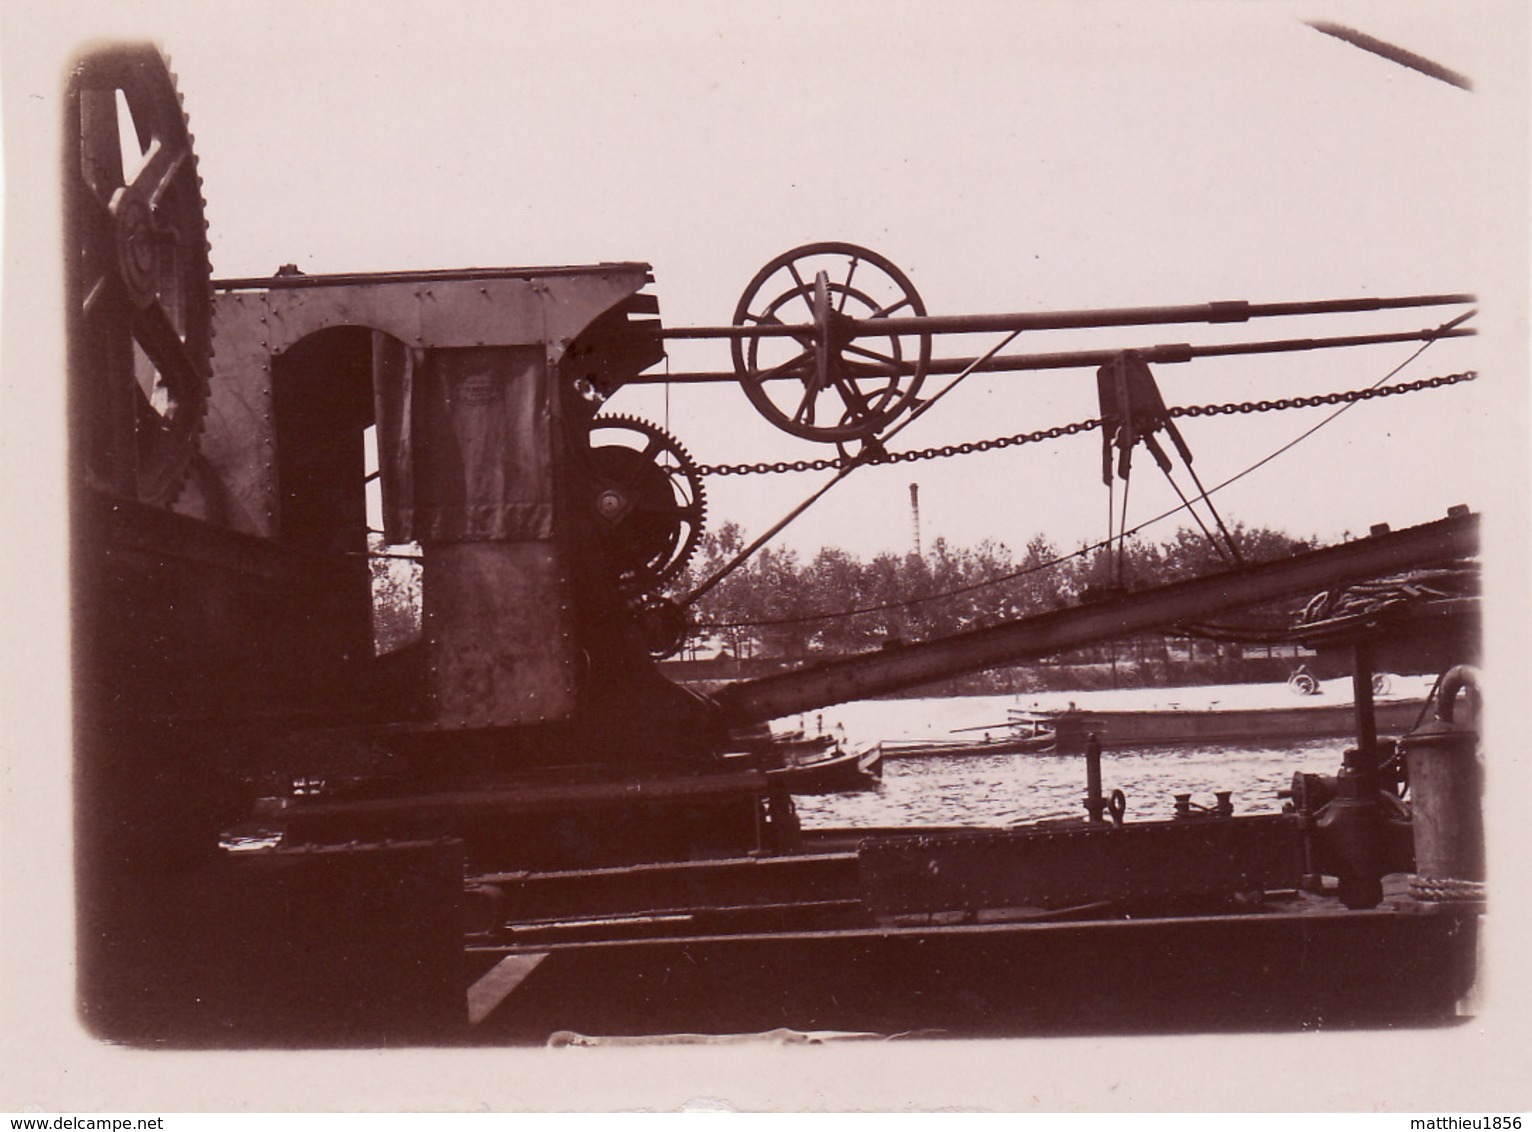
(908,666)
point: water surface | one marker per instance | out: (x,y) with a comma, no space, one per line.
(999,790)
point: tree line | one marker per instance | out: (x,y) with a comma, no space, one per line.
(782,604)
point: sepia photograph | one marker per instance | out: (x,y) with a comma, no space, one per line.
(765,557)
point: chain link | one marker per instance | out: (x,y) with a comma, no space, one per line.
(1350,396)
(827,464)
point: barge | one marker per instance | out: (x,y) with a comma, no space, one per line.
(1220,714)
(1234,714)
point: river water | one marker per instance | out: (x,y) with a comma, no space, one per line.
(1000,790)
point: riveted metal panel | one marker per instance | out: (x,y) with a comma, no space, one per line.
(1055,868)
(507,312)
(233,482)
(491,312)
(393,308)
(454,312)
(498,620)
(574,302)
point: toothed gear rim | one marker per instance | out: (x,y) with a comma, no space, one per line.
(649,500)
(140,296)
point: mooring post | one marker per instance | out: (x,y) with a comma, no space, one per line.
(1361,882)
(1094,803)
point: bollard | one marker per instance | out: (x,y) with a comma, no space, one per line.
(1094,802)
(1351,824)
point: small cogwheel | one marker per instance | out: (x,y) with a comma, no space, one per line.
(648,499)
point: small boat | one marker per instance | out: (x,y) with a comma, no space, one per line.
(1021,737)
(836,771)
(813,764)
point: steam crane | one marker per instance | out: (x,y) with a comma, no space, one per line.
(521,792)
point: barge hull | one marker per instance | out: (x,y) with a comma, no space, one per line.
(1161,728)
(1248,972)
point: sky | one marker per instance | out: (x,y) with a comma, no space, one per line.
(1009,157)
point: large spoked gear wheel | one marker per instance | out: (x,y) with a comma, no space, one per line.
(140,307)
(833,380)
(648,499)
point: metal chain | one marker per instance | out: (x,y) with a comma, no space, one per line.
(826,464)
(1347,397)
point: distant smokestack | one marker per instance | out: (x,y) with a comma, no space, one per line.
(915,515)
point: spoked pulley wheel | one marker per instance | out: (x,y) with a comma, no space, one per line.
(648,499)
(139,304)
(836,379)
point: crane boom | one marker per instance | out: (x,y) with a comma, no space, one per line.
(908,666)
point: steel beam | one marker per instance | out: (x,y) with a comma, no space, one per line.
(301,281)
(1235,311)
(1080,359)
(676,886)
(910,666)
